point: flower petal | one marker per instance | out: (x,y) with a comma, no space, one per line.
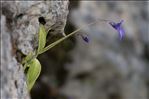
(85,38)
(121,33)
(118,28)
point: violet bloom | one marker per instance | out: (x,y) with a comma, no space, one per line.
(85,38)
(118,27)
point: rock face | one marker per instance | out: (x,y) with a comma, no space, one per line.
(108,68)
(19,35)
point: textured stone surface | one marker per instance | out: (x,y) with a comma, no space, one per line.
(13,83)
(19,35)
(24,16)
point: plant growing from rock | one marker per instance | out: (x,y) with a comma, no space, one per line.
(32,65)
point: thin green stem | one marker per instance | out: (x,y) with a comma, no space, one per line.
(62,39)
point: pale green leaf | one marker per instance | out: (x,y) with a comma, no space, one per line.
(42,38)
(27,58)
(33,72)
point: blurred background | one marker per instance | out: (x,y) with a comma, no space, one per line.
(104,68)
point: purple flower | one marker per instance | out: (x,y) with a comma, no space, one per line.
(85,38)
(118,27)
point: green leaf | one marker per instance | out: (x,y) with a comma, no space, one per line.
(33,72)
(42,38)
(27,58)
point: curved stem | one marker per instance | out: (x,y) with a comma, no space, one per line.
(67,36)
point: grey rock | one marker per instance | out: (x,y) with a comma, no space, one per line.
(19,35)
(13,83)
(24,16)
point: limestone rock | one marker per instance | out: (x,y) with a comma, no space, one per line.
(19,35)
